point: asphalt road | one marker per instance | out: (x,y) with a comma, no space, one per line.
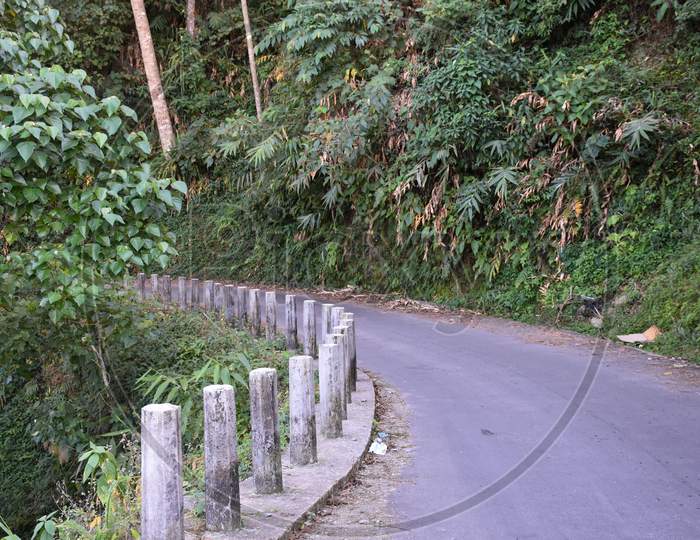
(515,439)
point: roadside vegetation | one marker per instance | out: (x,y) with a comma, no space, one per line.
(534,160)
(79,356)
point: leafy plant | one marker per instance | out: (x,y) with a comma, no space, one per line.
(79,204)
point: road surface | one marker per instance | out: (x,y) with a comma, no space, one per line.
(518,439)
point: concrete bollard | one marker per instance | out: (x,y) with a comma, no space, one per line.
(229,303)
(290,305)
(208,295)
(265,436)
(182,292)
(218,297)
(194,293)
(309,328)
(325,322)
(222,493)
(141,285)
(270,316)
(350,321)
(254,311)
(242,306)
(162,503)
(344,329)
(302,411)
(154,286)
(336,316)
(338,338)
(330,391)
(166,289)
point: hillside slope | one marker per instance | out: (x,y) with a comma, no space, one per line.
(533,160)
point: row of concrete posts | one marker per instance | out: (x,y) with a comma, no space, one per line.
(162,511)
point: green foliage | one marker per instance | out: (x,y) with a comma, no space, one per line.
(28,472)
(79,204)
(669,300)
(56,405)
(316,33)
(480,153)
(684,10)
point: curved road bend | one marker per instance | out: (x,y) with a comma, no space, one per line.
(627,465)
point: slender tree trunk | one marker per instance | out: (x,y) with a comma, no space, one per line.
(155,88)
(190,18)
(251,59)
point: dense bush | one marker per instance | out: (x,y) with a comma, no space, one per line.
(51,414)
(511,158)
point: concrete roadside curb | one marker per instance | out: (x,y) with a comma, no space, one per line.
(307,488)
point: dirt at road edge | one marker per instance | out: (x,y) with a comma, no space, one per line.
(362,509)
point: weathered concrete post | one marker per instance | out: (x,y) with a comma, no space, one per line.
(302,411)
(254,311)
(166,289)
(338,338)
(229,302)
(309,328)
(331,391)
(208,295)
(265,436)
(162,503)
(336,316)
(182,292)
(290,305)
(242,306)
(222,494)
(194,293)
(350,321)
(154,286)
(126,282)
(141,285)
(325,322)
(270,315)
(343,329)
(218,297)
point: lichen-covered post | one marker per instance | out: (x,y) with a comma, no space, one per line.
(242,306)
(162,503)
(166,289)
(229,302)
(141,285)
(302,411)
(344,329)
(290,305)
(330,391)
(270,315)
(218,297)
(208,295)
(336,316)
(309,327)
(182,292)
(339,339)
(154,285)
(194,293)
(350,321)
(222,493)
(254,311)
(325,322)
(265,436)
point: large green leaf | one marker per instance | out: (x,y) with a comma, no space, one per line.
(26,149)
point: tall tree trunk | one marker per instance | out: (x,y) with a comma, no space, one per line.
(190,18)
(251,59)
(155,88)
